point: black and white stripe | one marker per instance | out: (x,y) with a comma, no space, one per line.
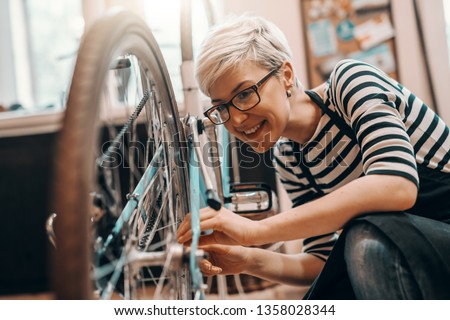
(373,125)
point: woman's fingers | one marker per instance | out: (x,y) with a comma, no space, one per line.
(184,237)
(207,222)
(214,248)
(185,225)
(204,239)
(207,268)
(228,228)
(207,240)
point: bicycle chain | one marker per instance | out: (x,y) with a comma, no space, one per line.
(124,129)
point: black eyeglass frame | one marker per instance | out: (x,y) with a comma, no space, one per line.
(229,103)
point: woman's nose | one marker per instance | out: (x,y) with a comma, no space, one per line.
(236,116)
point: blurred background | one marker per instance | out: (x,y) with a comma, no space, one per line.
(409,39)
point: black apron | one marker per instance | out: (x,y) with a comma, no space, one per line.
(422,234)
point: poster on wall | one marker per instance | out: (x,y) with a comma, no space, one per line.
(342,29)
(322,38)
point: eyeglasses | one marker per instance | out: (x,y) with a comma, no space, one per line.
(244,100)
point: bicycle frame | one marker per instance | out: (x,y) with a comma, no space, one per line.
(131,256)
(209,188)
(200,185)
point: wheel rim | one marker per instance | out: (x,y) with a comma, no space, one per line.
(123,82)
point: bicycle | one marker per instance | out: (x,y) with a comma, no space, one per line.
(119,204)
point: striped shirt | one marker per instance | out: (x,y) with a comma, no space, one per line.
(370,124)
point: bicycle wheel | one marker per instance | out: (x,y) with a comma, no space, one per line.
(99,163)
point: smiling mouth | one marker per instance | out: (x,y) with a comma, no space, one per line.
(254,129)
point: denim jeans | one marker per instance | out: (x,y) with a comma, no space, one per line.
(377,268)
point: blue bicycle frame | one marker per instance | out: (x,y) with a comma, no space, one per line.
(202,193)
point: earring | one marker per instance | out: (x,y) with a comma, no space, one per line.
(288,93)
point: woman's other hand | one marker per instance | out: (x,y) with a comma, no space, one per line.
(224,260)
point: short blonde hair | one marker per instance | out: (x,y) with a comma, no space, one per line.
(240,39)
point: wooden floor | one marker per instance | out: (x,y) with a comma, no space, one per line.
(29,296)
(279,292)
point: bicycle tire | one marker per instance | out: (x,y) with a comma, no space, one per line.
(116,34)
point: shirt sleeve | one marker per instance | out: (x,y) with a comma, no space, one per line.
(320,246)
(374,106)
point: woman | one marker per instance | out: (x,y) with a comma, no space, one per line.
(359,154)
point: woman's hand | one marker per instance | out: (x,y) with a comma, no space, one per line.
(292,269)
(229,228)
(224,260)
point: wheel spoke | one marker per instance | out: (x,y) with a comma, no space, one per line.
(119,73)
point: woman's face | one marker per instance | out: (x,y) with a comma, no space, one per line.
(261,126)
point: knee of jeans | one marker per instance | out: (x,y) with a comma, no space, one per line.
(363,242)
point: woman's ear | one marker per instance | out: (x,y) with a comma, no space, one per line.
(287,75)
